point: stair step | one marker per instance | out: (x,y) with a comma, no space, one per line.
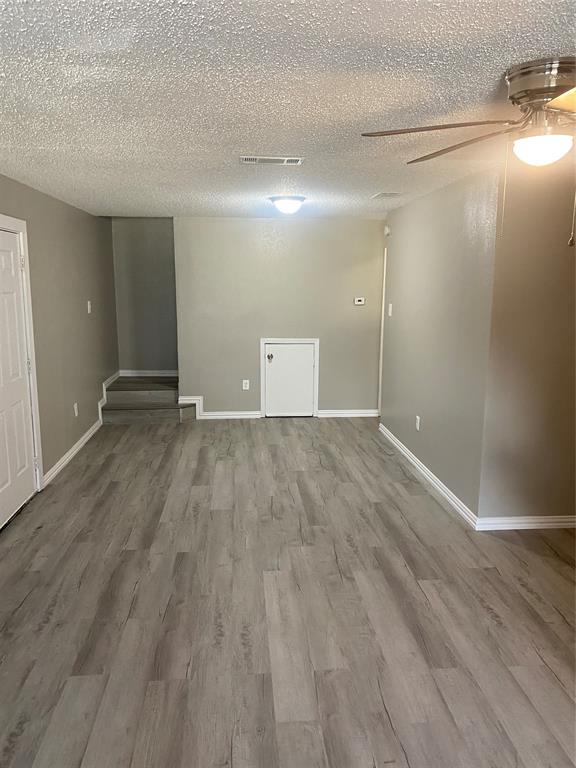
(144,383)
(139,414)
(132,399)
(128,396)
(141,405)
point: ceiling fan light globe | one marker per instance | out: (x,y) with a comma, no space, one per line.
(287,204)
(542,150)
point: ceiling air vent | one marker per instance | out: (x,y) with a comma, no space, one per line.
(385,195)
(261,160)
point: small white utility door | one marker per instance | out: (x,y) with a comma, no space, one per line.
(289,379)
(17,482)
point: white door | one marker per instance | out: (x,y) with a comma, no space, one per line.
(17,481)
(289,374)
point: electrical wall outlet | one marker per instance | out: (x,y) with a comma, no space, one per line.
(417,423)
(245,384)
(75,409)
(89,306)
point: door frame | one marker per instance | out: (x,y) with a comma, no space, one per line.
(18,227)
(263,342)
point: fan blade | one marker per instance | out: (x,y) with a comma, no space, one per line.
(454,147)
(443,127)
(565,102)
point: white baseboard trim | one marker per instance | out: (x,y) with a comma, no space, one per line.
(525,523)
(109,380)
(69,455)
(125,372)
(103,399)
(198,401)
(191,400)
(478,523)
(231,415)
(357,414)
(431,478)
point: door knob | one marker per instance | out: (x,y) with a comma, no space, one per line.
(270,357)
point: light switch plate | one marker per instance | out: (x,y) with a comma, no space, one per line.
(75,409)
(359,301)
(389,310)
(89,307)
(245,384)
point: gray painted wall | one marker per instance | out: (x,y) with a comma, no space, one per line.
(481,343)
(238,280)
(145,293)
(70,263)
(529,460)
(439,281)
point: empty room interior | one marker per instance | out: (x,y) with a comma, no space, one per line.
(287,384)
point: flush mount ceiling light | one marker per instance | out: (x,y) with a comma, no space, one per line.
(545,93)
(287,203)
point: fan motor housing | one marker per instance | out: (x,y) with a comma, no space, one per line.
(541,80)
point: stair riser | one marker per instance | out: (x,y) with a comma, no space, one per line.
(141,416)
(141,396)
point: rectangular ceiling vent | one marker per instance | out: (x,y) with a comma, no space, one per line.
(386,195)
(262,160)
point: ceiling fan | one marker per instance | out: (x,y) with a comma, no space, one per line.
(545,92)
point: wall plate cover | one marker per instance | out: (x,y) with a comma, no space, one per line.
(359,301)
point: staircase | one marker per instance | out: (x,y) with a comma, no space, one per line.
(132,399)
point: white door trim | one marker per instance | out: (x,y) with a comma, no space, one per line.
(382,321)
(263,342)
(18,226)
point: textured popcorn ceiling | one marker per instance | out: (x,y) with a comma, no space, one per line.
(142,107)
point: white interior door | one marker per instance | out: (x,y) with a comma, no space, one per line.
(17,481)
(289,378)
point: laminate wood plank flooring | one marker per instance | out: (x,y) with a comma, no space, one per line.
(276,593)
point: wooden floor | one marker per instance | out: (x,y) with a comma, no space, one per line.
(270,593)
